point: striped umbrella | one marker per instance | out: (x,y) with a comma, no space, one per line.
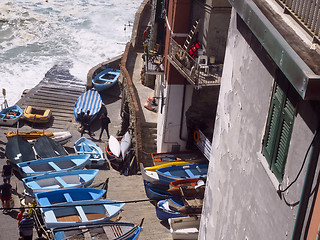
(90,100)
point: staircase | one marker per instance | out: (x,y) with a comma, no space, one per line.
(191,34)
(149,142)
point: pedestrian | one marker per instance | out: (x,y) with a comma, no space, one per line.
(80,119)
(6,190)
(20,215)
(86,123)
(7,171)
(104,120)
(26,227)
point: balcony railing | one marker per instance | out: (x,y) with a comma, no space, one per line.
(305,12)
(198,75)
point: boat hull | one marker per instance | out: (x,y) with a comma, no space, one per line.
(85,146)
(10,115)
(59,180)
(63,196)
(170,174)
(164,212)
(82,212)
(124,231)
(106,79)
(54,164)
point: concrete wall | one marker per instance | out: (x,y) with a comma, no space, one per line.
(241,201)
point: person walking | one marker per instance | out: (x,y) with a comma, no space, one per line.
(86,123)
(104,120)
(6,190)
(7,171)
(26,227)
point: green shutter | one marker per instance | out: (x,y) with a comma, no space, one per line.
(272,123)
(283,140)
(278,132)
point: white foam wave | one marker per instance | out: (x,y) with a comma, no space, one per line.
(35,35)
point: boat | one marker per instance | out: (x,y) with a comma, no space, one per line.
(149,176)
(62,196)
(184,227)
(19,150)
(46,147)
(156,191)
(10,115)
(35,115)
(164,211)
(59,180)
(106,230)
(53,164)
(114,146)
(32,136)
(115,162)
(125,144)
(170,174)
(192,206)
(81,212)
(190,187)
(105,79)
(88,101)
(169,164)
(186,156)
(85,146)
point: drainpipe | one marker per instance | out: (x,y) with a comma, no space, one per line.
(307,185)
(182,111)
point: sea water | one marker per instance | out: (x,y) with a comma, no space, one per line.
(37,34)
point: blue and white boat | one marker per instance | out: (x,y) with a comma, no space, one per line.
(81,212)
(106,230)
(59,180)
(168,208)
(90,100)
(10,115)
(85,146)
(53,164)
(156,191)
(170,174)
(63,196)
(106,79)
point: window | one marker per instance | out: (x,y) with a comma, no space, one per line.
(279,127)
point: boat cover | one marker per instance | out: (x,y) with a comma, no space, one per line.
(90,100)
(47,147)
(19,150)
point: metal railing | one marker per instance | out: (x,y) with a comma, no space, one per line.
(198,75)
(306,13)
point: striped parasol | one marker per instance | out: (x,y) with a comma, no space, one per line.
(90,100)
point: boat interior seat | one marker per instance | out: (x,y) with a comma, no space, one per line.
(61,181)
(82,214)
(44,201)
(55,167)
(27,169)
(68,197)
(50,216)
(190,174)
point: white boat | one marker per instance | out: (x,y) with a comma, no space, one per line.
(86,146)
(125,144)
(184,227)
(88,212)
(114,146)
(53,164)
(149,176)
(59,180)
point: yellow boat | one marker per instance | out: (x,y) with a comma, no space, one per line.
(34,115)
(28,135)
(154,168)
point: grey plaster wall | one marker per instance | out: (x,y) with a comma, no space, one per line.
(241,201)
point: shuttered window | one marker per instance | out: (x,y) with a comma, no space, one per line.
(278,130)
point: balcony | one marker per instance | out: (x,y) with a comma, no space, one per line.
(199,74)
